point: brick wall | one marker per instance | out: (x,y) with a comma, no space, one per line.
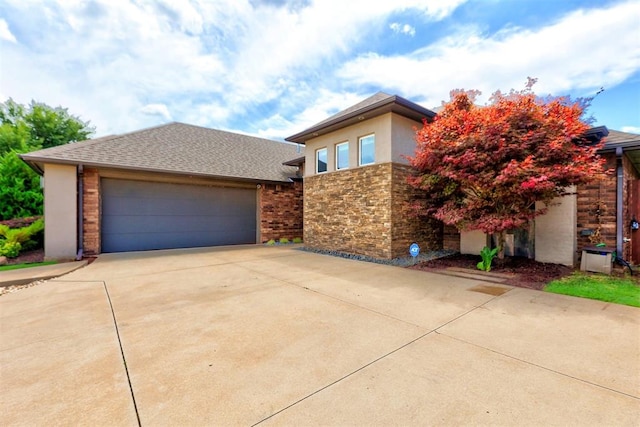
(451,238)
(362,211)
(281,210)
(602,194)
(630,175)
(91,211)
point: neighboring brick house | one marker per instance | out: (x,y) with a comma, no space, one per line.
(598,212)
(170,186)
(355,180)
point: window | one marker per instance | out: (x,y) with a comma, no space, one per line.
(321,160)
(342,155)
(367,150)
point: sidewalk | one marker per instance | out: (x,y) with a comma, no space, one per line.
(22,276)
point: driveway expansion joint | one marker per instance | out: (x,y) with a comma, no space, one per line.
(555,371)
(124,360)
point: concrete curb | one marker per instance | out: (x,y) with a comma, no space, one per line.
(24,276)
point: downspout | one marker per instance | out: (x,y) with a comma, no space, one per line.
(619,204)
(80,218)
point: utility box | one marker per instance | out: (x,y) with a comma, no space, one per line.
(596,259)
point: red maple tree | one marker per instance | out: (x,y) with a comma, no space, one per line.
(485,167)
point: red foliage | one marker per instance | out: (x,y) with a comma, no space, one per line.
(484,167)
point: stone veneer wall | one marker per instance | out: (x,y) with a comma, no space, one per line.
(362,211)
(406,229)
(281,210)
(91,211)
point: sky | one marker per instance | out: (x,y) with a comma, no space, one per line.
(272,68)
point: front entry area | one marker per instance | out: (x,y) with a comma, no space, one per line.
(142,215)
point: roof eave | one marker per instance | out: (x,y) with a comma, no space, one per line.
(37,164)
(404,108)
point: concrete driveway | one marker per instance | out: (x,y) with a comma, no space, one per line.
(275,336)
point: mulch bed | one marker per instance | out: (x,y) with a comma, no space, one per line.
(27,257)
(527,273)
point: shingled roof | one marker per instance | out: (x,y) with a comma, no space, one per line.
(376,105)
(182,149)
(628,142)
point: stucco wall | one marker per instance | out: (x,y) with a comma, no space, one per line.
(555,232)
(380,126)
(60,212)
(472,242)
(403,136)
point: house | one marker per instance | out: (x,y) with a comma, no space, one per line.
(178,185)
(355,179)
(171,186)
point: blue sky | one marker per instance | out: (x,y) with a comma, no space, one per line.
(272,68)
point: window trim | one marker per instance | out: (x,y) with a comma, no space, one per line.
(340,144)
(326,163)
(360,149)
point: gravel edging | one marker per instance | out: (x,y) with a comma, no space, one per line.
(398,262)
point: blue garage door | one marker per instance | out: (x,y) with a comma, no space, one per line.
(139,215)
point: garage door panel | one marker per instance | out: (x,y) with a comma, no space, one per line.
(125,224)
(139,215)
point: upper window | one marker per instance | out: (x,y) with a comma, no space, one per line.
(321,160)
(367,150)
(342,155)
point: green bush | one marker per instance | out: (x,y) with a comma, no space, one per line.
(297,240)
(284,240)
(271,242)
(10,249)
(20,192)
(16,239)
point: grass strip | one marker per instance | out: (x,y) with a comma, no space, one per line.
(26,265)
(599,287)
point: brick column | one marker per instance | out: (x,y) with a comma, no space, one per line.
(91,212)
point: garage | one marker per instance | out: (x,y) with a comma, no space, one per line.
(140,215)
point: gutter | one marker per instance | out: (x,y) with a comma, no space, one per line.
(619,204)
(80,214)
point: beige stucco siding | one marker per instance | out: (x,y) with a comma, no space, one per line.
(472,242)
(555,235)
(403,136)
(60,210)
(380,126)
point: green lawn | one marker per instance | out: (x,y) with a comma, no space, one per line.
(597,286)
(17,266)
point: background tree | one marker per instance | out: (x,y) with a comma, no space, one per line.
(485,167)
(24,129)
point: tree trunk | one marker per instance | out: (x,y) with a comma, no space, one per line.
(502,237)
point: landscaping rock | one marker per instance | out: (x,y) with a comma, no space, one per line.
(3,260)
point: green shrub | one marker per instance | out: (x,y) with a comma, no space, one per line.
(10,249)
(487,256)
(297,240)
(284,240)
(20,192)
(271,242)
(17,239)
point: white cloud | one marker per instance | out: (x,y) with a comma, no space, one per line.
(402,29)
(565,55)
(631,129)
(159,110)
(5,32)
(208,62)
